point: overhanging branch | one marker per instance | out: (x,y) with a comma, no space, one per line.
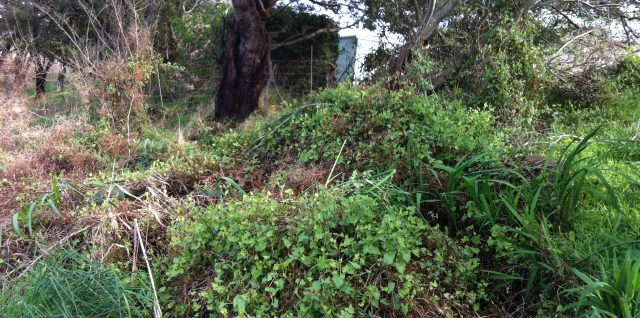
(313,34)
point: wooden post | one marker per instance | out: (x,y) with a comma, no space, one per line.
(311,77)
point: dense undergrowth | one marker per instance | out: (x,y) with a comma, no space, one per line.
(351,202)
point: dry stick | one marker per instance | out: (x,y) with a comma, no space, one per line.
(159,86)
(335,163)
(555,55)
(157,312)
(129,129)
(275,85)
(134,266)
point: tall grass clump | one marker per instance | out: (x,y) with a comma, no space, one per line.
(571,182)
(616,293)
(68,284)
(526,213)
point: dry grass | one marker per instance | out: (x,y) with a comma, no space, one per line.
(33,148)
(301,178)
(30,153)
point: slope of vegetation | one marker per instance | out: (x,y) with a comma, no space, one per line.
(337,207)
(503,192)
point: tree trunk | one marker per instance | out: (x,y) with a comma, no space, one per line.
(41,81)
(245,65)
(425,30)
(42,69)
(61,78)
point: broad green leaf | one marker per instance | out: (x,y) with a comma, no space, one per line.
(235,185)
(389,257)
(338,281)
(239,304)
(372,249)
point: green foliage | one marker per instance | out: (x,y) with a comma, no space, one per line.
(49,200)
(148,151)
(524,217)
(421,64)
(193,38)
(615,294)
(191,44)
(506,208)
(324,254)
(382,130)
(509,75)
(629,71)
(68,284)
(448,217)
(453,270)
(571,184)
(44,38)
(384,14)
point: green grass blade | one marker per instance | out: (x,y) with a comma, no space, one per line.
(234,184)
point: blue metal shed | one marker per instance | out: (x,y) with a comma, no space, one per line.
(347,51)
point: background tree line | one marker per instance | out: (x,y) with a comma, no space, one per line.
(230,47)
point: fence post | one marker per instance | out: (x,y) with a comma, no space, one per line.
(311,77)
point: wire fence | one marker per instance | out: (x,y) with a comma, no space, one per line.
(304,75)
(296,76)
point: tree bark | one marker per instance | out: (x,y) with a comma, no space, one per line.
(41,81)
(425,30)
(42,69)
(245,65)
(61,78)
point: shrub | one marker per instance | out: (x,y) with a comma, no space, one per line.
(114,71)
(121,88)
(629,70)
(325,254)
(510,75)
(382,130)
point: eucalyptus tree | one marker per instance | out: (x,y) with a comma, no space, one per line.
(244,70)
